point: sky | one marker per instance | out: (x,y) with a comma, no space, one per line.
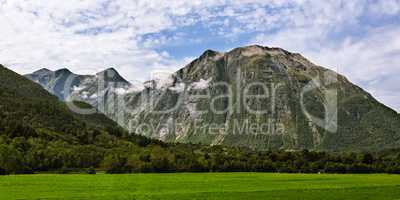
(359,39)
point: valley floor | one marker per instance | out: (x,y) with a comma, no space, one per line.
(201,186)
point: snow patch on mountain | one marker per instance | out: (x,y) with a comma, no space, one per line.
(93,96)
(121,91)
(78,88)
(201,84)
(180,87)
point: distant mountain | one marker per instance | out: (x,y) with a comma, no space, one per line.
(27,110)
(98,90)
(254,96)
(63,82)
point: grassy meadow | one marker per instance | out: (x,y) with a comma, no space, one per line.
(200,186)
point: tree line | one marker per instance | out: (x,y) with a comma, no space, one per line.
(21,155)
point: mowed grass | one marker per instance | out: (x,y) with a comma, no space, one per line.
(241,186)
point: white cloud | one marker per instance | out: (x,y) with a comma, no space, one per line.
(87,36)
(387,7)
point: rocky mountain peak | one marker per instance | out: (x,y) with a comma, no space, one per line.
(63,71)
(257,50)
(42,71)
(211,54)
(109,70)
(250,51)
(112,75)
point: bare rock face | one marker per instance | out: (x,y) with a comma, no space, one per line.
(258,97)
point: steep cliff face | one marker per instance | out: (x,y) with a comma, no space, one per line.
(259,97)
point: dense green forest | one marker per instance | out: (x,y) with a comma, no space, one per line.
(39,134)
(106,152)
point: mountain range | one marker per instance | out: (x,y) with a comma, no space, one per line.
(254,96)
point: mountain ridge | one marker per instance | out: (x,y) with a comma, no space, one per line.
(362,121)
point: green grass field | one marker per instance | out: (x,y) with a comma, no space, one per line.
(241,186)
